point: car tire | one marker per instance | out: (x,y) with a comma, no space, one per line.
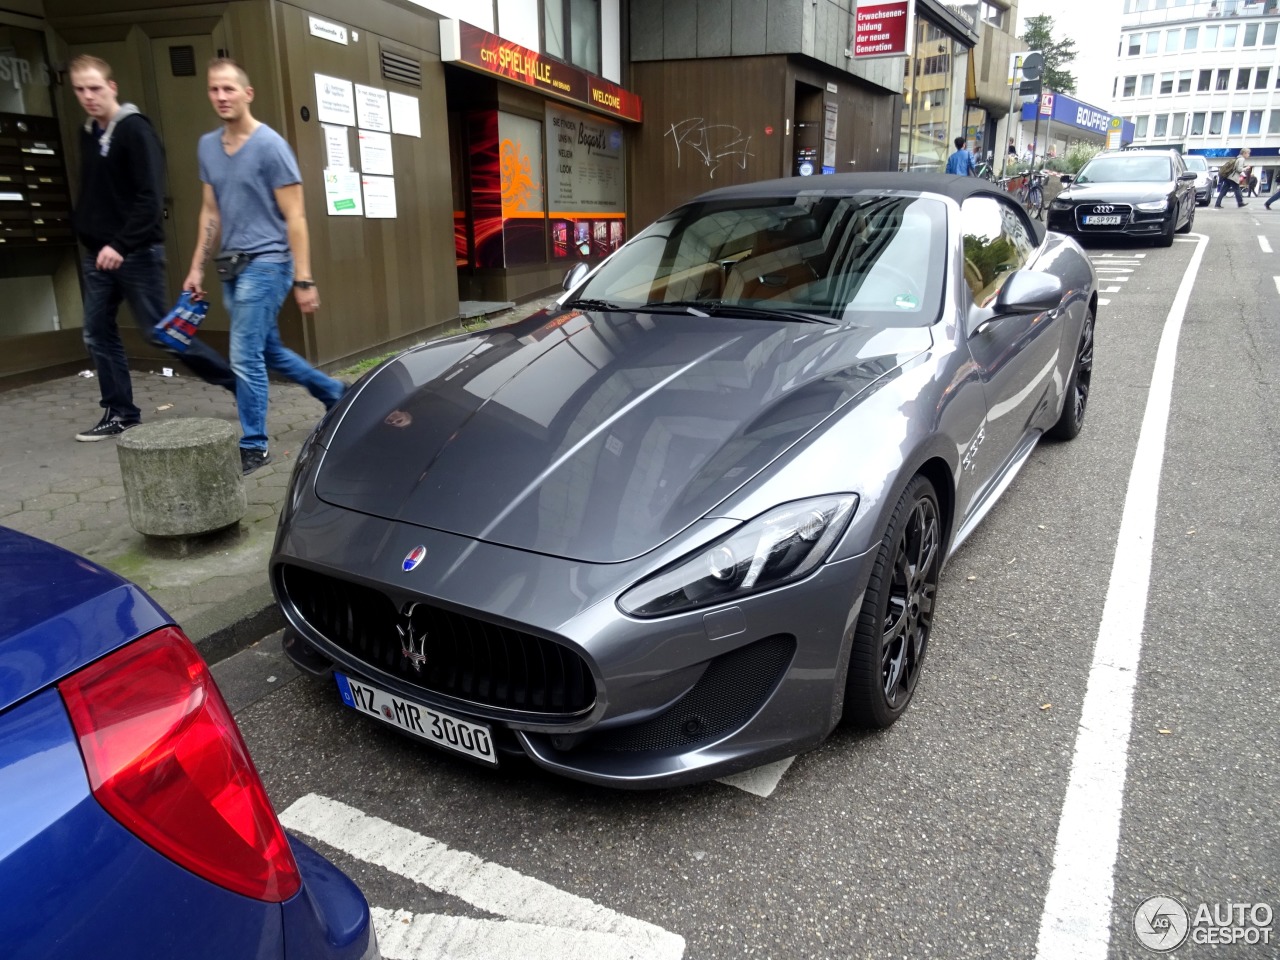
(1076,402)
(892,633)
(1191,219)
(1166,236)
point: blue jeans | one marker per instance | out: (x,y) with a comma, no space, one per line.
(1226,185)
(254,299)
(141,281)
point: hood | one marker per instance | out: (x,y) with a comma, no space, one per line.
(1121,192)
(123,113)
(594,437)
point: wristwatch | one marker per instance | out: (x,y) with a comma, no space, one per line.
(304,284)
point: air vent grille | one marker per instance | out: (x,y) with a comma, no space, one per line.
(182,61)
(396,66)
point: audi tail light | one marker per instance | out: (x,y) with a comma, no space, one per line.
(166,759)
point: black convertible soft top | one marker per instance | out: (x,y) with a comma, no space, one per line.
(958,188)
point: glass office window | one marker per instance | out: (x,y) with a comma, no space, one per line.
(1140,128)
(1229,36)
(1243,76)
(1215,123)
(1251,35)
(1153,42)
(1184,81)
(1205,81)
(1171,41)
(1255,121)
(1210,38)
(1135,44)
(1269,33)
(1162,125)
(1178,125)
(1147,83)
(1237,123)
(1197,124)
(1166,84)
(1130,86)
(1191,38)
(1224,80)
(1273,122)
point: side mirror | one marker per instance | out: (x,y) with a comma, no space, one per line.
(1027,291)
(1189,175)
(1065,178)
(575,276)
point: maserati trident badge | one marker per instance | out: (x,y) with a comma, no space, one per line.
(412,646)
(414,557)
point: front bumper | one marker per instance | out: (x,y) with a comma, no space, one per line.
(677,699)
(1133,223)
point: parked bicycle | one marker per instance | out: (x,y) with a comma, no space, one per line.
(1031,193)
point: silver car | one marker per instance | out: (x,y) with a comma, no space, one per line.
(1205,178)
(694,517)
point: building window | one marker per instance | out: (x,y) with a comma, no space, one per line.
(1130,86)
(1140,128)
(1166,84)
(1273,122)
(1243,75)
(1269,34)
(1255,121)
(1135,44)
(1191,39)
(1148,81)
(572,32)
(1205,82)
(1171,41)
(1197,124)
(1184,81)
(1210,37)
(1251,35)
(1178,125)
(993,15)
(1224,80)
(1215,123)
(1262,78)
(1229,36)
(1237,123)
(1162,125)
(1153,42)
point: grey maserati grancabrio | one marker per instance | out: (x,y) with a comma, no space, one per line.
(691,518)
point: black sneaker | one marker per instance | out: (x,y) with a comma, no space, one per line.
(109,426)
(251,460)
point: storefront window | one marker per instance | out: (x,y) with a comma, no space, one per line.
(925,140)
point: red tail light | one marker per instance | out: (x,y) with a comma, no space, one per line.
(166,759)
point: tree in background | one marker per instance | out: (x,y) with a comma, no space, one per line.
(1058,54)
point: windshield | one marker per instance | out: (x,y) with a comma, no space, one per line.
(1126,170)
(1198,164)
(865,258)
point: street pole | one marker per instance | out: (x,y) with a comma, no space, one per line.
(1008,125)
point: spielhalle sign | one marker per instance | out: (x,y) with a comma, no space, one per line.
(882,28)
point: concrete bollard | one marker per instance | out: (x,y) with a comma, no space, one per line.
(182,477)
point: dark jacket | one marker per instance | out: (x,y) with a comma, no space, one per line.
(121,184)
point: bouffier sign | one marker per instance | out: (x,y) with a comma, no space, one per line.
(882,28)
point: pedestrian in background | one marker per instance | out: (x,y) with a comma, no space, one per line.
(119,218)
(253,202)
(960,163)
(1229,176)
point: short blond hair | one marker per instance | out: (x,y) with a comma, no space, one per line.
(226,63)
(87,62)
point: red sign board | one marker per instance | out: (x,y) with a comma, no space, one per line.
(882,28)
(462,43)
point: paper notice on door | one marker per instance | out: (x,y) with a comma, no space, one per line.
(337,148)
(379,197)
(342,196)
(404,115)
(371,109)
(375,152)
(335,101)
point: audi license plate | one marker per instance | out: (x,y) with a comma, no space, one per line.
(1102,220)
(462,736)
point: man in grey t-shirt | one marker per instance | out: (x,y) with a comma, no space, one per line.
(253,200)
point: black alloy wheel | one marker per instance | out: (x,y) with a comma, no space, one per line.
(1077,392)
(1166,235)
(892,633)
(1191,220)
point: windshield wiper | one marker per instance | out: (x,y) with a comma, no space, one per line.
(721,308)
(589,304)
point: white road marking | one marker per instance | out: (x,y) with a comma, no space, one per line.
(761,781)
(1110,289)
(1277,280)
(1076,922)
(1265,244)
(1104,302)
(573,926)
(1107,269)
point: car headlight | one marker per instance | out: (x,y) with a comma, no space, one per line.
(783,545)
(1061,205)
(1154,206)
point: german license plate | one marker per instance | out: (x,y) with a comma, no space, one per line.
(427,723)
(1102,220)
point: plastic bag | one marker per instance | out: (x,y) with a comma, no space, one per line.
(182,323)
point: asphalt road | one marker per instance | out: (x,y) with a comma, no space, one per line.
(961,832)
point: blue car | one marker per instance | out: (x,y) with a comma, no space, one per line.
(132,821)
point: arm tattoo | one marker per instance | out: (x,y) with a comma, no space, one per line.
(206,247)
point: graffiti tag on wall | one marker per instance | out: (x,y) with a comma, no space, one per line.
(712,143)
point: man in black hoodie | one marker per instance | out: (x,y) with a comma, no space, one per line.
(119,219)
